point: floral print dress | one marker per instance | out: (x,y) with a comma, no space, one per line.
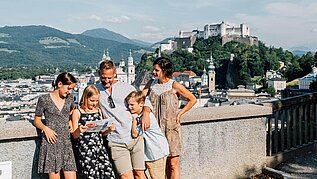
(57,156)
(92,154)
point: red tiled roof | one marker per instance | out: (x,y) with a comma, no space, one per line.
(186,72)
(176,74)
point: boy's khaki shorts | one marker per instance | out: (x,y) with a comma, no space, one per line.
(128,156)
(157,168)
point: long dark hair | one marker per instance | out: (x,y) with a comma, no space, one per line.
(66,79)
(166,65)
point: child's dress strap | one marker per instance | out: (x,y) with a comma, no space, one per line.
(79,110)
(100,113)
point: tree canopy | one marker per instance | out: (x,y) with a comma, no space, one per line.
(249,61)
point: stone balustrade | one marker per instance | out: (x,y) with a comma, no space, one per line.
(220,142)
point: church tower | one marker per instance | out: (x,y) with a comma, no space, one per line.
(106,55)
(122,63)
(204,78)
(211,75)
(131,69)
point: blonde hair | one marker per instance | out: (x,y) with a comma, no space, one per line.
(89,91)
(137,95)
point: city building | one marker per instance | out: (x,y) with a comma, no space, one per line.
(125,73)
(184,77)
(141,79)
(241,94)
(169,46)
(272,74)
(275,79)
(278,84)
(305,81)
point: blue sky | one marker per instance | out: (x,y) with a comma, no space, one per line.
(280,23)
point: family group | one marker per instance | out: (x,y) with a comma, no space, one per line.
(144,131)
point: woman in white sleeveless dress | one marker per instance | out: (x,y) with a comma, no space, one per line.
(163,92)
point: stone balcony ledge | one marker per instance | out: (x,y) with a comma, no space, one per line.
(202,115)
(219,142)
(15,130)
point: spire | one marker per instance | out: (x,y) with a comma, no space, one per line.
(122,64)
(204,78)
(106,55)
(211,66)
(130,58)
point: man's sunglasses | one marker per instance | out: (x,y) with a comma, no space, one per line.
(111,103)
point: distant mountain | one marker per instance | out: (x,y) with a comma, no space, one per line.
(110,35)
(142,43)
(299,50)
(42,45)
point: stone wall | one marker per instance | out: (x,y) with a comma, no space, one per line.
(219,147)
(220,142)
(19,144)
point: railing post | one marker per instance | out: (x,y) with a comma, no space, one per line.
(306,118)
(288,129)
(275,135)
(300,128)
(283,117)
(311,122)
(315,117)
(295,123)
(269,137)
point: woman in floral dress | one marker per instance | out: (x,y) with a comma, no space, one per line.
(56,153)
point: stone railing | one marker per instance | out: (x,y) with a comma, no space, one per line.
(19,144)
(292,127)
(220,142)
(224,142)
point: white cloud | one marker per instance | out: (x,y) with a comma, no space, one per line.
(150,37)
(191,3)
(284,9)
(95,17)
(111,19)
(149,28)
(298,9)
(117,19)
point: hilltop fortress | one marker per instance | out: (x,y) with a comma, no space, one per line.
(227,32)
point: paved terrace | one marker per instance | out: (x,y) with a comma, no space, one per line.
(220,142)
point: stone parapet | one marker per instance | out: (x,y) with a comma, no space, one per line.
(224,142)
(219,142)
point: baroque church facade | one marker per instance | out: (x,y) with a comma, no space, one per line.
(125,72)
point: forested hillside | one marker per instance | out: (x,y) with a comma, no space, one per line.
(39,45)
(248,66)
(41,48)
